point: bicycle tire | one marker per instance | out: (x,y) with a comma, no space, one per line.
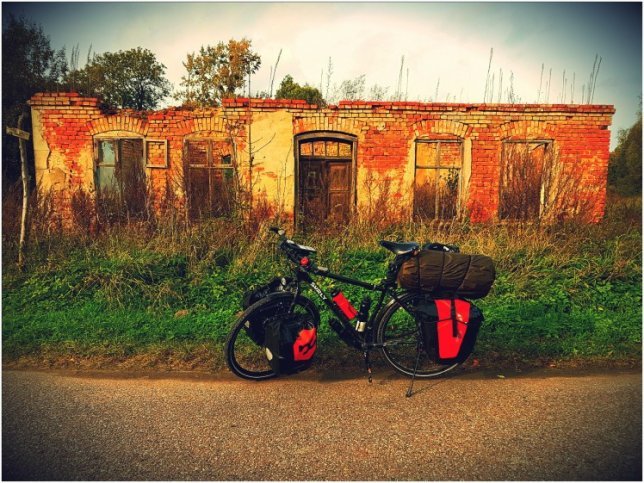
(245,357)
(399,336)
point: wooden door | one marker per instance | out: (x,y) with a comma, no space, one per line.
(339,194)
(325,178)
(313,190)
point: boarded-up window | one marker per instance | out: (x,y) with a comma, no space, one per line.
(437,182)
(120,175)
(210,184)
(522,179)
(156,153)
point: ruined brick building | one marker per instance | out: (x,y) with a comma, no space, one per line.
(481,161)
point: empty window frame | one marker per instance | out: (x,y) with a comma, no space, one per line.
(120,174)
(523,166)
(437,178)
(210,186)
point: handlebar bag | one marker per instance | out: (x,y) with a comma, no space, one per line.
(449,274)
(290,342)
(449,328)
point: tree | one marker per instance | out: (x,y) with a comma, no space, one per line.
(217,72)
(352,89)
(29,65)
(125,79)
(292,90)
(625,165)
(378,92)
(348,90)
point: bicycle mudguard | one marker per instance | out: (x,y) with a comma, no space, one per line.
(278,284)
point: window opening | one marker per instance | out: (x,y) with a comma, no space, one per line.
(437,180)
(523,163)
(210,185)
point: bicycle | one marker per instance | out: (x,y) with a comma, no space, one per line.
(392,327)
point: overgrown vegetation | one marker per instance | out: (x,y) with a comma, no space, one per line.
(625,168)
(125,79)
(29,65)
(292,90)
(217,72)
(165,288)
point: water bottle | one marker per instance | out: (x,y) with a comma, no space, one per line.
(344,305)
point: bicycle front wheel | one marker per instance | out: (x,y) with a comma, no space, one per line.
(244,349)
(402,343)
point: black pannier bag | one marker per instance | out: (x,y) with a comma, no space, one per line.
(449,274)
(278,284)
(449,328)
(290,342)
(254,326)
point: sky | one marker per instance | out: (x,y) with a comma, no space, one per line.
(446,46)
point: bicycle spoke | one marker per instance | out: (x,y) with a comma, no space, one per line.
(402,344)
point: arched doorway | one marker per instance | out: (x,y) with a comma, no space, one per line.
(325,188)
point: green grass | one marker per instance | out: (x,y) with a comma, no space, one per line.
(574,291)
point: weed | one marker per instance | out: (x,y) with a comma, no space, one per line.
(167,287)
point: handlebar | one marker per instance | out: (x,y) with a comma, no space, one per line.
(292,254)
(304,262)
(282,245)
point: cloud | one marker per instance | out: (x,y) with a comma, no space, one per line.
(450,42)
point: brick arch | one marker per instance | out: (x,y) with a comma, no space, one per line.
(118,123)
(204,123)
(336,124)
(447,127)
(527,130)
(222,135)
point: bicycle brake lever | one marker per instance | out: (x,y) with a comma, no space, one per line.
(277,231)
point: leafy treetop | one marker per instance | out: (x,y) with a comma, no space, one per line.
(292,90)
(625,167)
(217,72)
(125,79)
(29,65)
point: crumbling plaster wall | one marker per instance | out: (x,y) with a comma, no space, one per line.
(65,126)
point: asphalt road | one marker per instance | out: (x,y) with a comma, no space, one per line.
(542,425)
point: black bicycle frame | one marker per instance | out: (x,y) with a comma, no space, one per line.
(384,288)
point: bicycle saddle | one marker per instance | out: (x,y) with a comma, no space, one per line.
(400,248)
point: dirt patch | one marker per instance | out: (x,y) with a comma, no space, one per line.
(206,359)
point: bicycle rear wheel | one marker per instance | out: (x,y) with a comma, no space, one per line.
(244,350)
(401,340)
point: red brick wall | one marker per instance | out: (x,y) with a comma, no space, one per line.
(385,131)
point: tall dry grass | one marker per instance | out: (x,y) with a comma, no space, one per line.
(165,229)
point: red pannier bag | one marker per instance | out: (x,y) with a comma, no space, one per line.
(449,328)
(290,342)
